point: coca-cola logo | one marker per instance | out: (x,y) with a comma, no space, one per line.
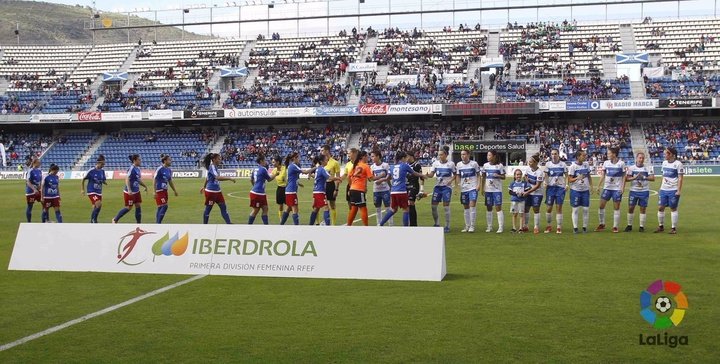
(374,109)
(90,116)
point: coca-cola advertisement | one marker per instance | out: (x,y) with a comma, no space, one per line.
(89,116)
(373,109)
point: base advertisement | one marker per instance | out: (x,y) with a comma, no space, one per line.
(392,253)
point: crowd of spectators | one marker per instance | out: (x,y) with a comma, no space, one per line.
(696,142)
(21,148)
(423,93)
(276,96)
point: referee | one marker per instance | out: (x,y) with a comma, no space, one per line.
(415,187)
(331,187)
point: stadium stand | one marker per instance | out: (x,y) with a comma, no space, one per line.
(169,65)
(101,58)
(305,60)
(570,89)
(199,99)
(426,93)
(275,96)
(242,146)
(696,142)
(425,140)
(688,45)
(68,148)
(417,52)
(20,148)
(685,87)
(559,50)
(186,147)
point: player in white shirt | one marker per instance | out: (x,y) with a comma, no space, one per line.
(556,172)
(580,186)
(673,172)
(493,172)
(535,177)
(468,177)
(381,189)
(639,176)
(613,176)
(444,171)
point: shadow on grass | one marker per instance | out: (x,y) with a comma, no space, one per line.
(460,277)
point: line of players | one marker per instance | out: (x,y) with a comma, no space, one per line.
(399,188)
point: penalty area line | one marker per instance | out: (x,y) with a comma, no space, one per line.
(98,313)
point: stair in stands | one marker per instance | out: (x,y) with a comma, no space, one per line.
(471,70)
(637,89)
(217,146)
(98,101)
(493,47)
(637,140)
(250,80)
(80,164)
(489,96)
(382,74)
(530,150)
(627,38)
(609,67)
(130,81)
(369,48)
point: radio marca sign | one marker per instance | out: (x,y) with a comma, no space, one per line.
(399,253)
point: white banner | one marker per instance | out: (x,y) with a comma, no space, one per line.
(393,253)
(449,78)
(552,105)
(270,112)
(654,72)
(12,175)
(124,116)
(362,67)
(81,174)
(395,79)
(50,117)
(628,104)
(160,114)
(410,109)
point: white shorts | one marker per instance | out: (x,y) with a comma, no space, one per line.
(517,207)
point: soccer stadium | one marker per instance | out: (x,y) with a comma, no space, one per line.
(456,182)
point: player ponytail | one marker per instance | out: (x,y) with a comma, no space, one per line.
(359,157)
(133,157)
(446,149)
(399,156)
(536,157)
(289,158)
(208,158)
(54,168)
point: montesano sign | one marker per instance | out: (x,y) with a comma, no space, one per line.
(682,103)
(486,146)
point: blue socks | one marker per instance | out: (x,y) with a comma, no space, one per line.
(206,214)
(58,216)
(265,219)
(388,215)
(313,217)
(224,213)
(160,214)
(251,220)
(326,216)
(406,219)
(121,213)
(94,215)
(284,217)
(45,216)
(138,214)
(296,219)
(28,212)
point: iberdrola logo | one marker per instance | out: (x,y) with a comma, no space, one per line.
(166,246)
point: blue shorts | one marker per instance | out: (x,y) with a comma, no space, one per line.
(493,199)
(616,196)
(380,198)
(466,197)
(441,193)
(533,201)
(668,198)
(579,198)
(555,195)
(639,198)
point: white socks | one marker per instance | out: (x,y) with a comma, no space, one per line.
(559,220)
(435,215)
(473,215)
(643,219)
(548,217)
(586,216)
(537,220)
(616,218)
(630,218)
(661,218)
(575,216)
(489,219)
(601,216)
(378,215)
(467,217)
(501,220)
(447,216)
(674,218)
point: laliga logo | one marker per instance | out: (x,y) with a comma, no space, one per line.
(667,309)
(164,246)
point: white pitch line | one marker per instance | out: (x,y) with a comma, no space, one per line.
(98,313)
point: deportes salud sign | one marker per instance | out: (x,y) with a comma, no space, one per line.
(398,253)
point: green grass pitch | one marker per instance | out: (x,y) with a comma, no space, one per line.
(510,297)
